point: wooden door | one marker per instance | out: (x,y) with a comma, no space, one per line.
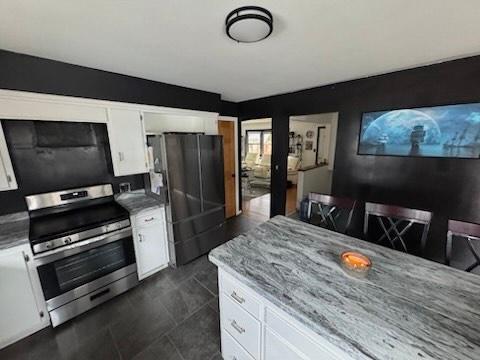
(227,130)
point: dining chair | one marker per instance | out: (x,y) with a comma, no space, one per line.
(395,222)
(335,212)
(468,233)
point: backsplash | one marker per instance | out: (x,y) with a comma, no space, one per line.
(51,155)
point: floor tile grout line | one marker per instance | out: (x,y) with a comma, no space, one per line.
(175,347)
(120,356)
(175,323)
(188,317)
(203,286)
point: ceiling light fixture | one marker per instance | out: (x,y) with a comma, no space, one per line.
(249,24)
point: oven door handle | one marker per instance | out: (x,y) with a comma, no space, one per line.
(81,246)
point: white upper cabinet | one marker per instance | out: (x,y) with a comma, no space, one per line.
(7,176)
(127,142)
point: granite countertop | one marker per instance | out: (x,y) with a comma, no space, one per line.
(407,308)
(138,201)
(14,229)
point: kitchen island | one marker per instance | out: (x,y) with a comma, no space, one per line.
(407,307)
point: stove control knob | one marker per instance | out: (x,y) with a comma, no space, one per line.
(67,240)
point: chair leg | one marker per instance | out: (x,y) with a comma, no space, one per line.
(365,226)
(423,242)
(448,248)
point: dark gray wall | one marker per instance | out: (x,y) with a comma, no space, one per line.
(29,73)
(228,108)
(448,187)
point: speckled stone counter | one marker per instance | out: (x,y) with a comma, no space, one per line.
(138,201)
(407,308)
(14,229)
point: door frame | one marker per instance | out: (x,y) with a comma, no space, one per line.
(237,164)
(318,142)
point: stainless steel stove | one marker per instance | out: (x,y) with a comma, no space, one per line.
(83,248)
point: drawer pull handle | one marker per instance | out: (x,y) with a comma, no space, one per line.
(151,219)
(237,298)
(237,327)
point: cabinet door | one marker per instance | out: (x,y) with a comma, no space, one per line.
(276,348)
(20,311)
(127,142)
(151,248)
(7,177)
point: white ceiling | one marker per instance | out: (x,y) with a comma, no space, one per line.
(315,42)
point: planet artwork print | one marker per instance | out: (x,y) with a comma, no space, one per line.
(440,131)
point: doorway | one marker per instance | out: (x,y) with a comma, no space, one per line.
(310,162)
(227,130)
(256,153)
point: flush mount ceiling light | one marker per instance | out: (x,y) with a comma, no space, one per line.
(249,24)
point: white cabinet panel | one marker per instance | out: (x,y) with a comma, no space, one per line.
(22,308)
(299,340)
(231,350)
(275,335)
(276,348)
(241,296)
(127,142)
(151,246)
(35,109)
(7,176)
(243,327)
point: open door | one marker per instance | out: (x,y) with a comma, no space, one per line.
(227,130)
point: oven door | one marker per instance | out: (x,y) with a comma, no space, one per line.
(77,270)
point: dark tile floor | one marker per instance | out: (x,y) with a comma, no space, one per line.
(172,315)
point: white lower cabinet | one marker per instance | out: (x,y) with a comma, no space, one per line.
(231,350)
(252,328)
(277,348)
(243,327)
(150,242)
(22,306)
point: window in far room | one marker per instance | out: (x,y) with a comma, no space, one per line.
(254,142)
(267,142)
(259,142)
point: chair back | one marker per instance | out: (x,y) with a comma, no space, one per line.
(333,213)
(395,222)
(469,235)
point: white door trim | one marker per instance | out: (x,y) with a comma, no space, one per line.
(237,177)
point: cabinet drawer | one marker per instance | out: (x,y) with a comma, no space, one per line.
(149,217)
(241,296)
(231,350)
(242,326)
(296,338)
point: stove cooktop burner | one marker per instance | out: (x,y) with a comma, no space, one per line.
(60,218)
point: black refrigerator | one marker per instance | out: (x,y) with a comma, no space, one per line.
(193,167)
